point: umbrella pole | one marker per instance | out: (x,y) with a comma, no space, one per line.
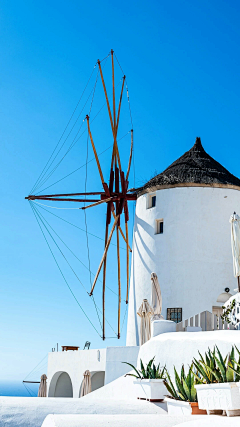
(238,283)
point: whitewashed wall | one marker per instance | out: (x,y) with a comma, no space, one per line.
(192,257)
(66,368)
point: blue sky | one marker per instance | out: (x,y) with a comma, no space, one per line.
(182,64)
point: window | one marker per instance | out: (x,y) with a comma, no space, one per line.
(174,314)
(159,226)
(151,203)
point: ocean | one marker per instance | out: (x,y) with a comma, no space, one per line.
(17,388)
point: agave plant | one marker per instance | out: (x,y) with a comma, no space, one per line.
(150,372)
(185,385)
(234,365)
(216,369)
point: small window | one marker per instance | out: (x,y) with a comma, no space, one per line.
(159,226)
(151,203)
(174,314)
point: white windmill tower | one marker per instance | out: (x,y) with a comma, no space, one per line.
(181,233)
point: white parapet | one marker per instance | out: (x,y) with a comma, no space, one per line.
(162,326)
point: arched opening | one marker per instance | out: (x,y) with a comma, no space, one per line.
(97,380)
(61,385)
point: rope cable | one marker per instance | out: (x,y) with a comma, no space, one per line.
(85,213)
(35,367)
(41,182)
(66,126)
(73,225)
(70,268)
(63,274)
(71,146)
(71,250)
(66,176)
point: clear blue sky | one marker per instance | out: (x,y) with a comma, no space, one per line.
(182,64)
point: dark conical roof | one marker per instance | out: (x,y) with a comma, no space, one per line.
(195,167)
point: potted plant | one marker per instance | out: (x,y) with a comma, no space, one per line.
(183,399)
(219,387)
(149,381)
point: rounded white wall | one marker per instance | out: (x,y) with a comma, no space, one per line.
(192,258)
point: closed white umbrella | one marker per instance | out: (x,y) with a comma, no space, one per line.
(145,311)
(156,298)
(86,384)
(235,239)
(42,391)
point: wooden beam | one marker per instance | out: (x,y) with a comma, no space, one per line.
(113,84)
(105,91)
(95,152)
(114,216)
(65,200)
(104,284)
(119,284)
(99,193)
(104,254)
(98,203)
(120,102)
(130,157)
(126,228)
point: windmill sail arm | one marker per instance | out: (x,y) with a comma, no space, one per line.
(130,157)
(104,254)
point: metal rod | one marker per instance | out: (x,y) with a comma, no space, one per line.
(32,382)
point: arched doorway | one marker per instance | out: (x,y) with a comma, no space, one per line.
(61,385)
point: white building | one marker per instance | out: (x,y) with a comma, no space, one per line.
(182,233)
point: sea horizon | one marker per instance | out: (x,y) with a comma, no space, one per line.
(18,388)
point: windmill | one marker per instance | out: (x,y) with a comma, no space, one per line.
(115,195)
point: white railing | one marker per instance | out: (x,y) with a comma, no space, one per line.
(205,320)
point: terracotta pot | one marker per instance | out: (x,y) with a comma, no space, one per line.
(196,410)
